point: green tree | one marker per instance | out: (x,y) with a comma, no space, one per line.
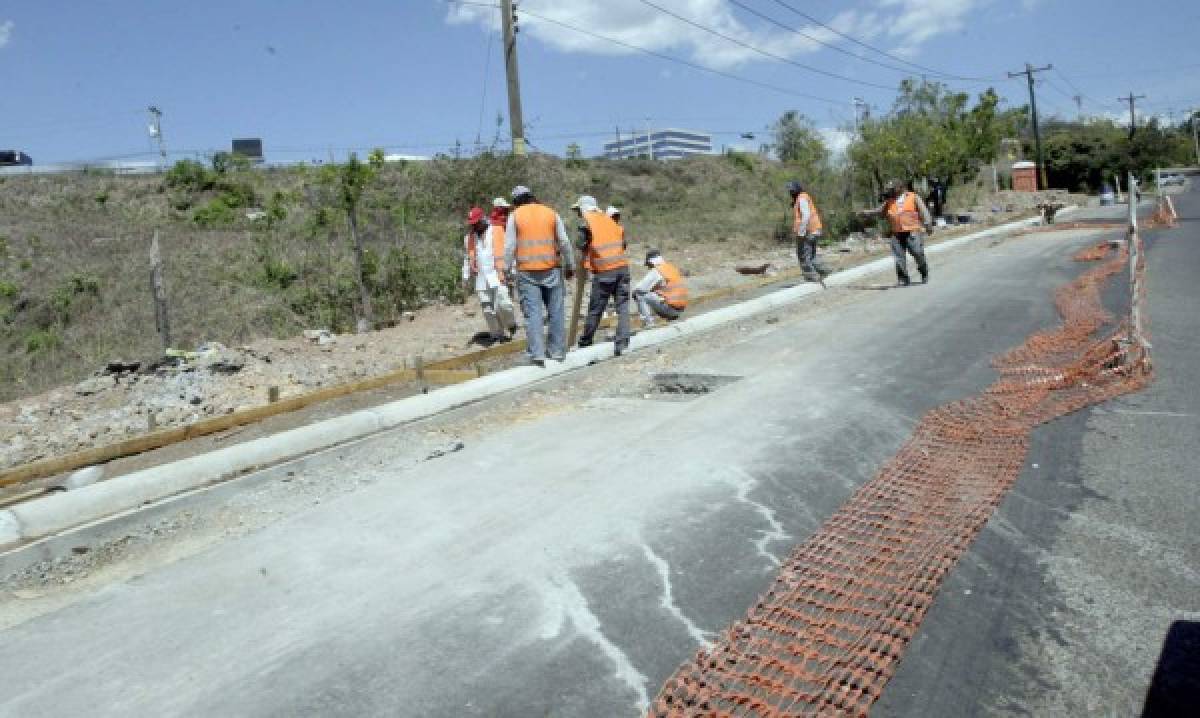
(797,142)
(347,183)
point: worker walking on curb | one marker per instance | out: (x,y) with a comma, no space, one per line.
(808,229)
(602,242)
(499,221)
(483,273)
(537,248)
(662,292)
(907,215)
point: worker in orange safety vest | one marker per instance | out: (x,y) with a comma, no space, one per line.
(602,242)
(907,216)
(808,229)
(662,292)
(537,249)
(483,273)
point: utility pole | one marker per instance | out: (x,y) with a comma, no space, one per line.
(1196,135)
(1029,72)
(516,122)
(156,131)
(1132,100)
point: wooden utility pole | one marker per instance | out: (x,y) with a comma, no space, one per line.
(1196,134)
(161,322)
(1029,72)
(516,122)
(1132,100)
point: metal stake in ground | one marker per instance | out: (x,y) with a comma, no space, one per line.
(576,303)
(162,323)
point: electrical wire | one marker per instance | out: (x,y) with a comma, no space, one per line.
(487,66)
(885,53)
(764,53)
(662,56)
(819,41)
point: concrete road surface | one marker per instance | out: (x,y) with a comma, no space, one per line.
(565,566)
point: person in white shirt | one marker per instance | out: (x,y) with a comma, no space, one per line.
(483,273)
(662,292)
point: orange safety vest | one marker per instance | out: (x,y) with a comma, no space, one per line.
(673,290)
(814,217)
(497,249)
(902,213)
(537,244)
(606,251)
(498,245)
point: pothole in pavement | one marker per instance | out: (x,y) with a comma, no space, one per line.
(685,387)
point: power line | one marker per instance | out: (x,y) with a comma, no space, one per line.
(819,41)
(872,48)
(487,65)
(662,56)
(764,53)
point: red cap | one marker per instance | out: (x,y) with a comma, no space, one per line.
(475,216)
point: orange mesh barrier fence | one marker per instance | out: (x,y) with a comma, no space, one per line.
(829,632)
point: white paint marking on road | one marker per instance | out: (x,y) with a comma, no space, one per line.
(1130,412)
(699,635)
(566,602)
(776,532)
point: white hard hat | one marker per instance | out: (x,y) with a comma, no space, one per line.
(586,203)
(612,211)
(501,202)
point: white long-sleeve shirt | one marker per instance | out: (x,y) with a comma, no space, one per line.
(650,282)
(805,207)
(487,277)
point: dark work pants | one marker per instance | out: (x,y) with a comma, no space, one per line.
(806,253)
(612,285)
(909,242)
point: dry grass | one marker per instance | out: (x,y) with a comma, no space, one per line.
(63,232)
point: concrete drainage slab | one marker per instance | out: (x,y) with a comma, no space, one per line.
(685,387)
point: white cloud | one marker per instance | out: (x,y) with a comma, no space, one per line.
(6,29)
(636,23)
(906,24)
(837,140)
(911,23)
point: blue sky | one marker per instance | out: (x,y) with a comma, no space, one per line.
(314,78)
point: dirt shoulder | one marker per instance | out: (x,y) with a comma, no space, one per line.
(116,405)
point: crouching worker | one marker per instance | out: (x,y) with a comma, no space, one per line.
(662,292)
(602,242)
(483,272)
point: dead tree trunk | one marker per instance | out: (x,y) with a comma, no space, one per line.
(161,320)
(365,321)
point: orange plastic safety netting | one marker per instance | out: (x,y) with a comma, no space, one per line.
(830,631)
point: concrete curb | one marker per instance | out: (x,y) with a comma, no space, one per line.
(46,516)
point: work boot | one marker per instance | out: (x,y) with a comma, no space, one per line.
(584,343)
(812,277)
(620,348)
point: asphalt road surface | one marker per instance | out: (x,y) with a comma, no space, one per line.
(565,566)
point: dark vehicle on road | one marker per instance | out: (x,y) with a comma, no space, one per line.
(14,158)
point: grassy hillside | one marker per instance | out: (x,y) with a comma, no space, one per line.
(74,271)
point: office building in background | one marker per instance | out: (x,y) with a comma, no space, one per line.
(670,144)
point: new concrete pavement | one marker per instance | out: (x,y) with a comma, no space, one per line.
(565,566)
